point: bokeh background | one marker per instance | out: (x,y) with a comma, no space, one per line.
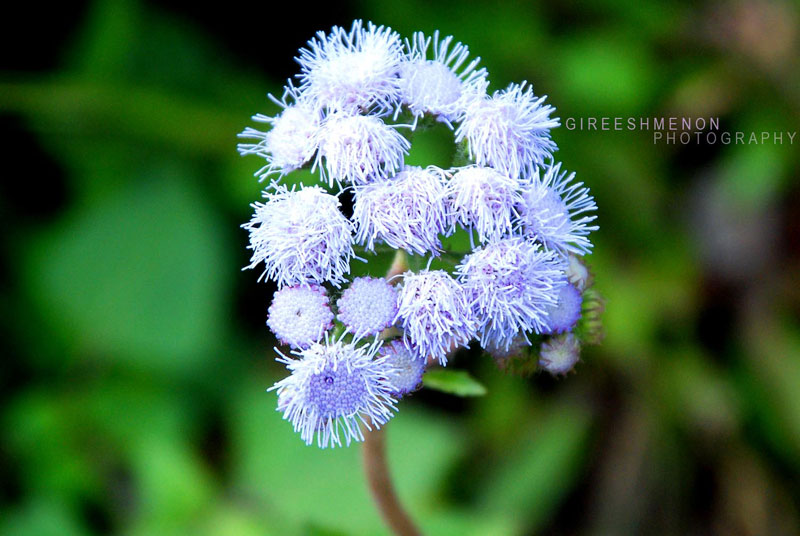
(135,355)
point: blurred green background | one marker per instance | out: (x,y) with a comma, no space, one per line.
(135,352)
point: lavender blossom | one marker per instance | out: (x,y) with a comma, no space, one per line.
(359,149)
(480,198)
(525,282)
(555,211)
(368,306)
(292,140)
(352,72)
(434,313)
(509,131)
(299,316)
(565,313)
(407,367)
(511,284)
(301,237)
(438,84)
(405,212)
(335,388)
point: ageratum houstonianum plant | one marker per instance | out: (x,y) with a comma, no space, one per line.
(517,286)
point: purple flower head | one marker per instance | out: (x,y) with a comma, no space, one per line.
(438,84)
(335,388)
(511,284)
(406,212)
(559,354)
(483,199)
(353,71)
(564,315)
(368,306)
(299,316)
(359,149)
(434,313)
(301,237)
(407,367)
(509,131)
(555,211)
(292,140)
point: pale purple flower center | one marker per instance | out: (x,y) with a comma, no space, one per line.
(333,393)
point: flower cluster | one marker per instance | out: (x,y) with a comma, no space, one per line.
(505,225)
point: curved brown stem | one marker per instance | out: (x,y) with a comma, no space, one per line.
(375,466)
(381,487)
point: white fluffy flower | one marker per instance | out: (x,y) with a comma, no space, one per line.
(511,283)
(292,140)
(439,84)
(556,211)
(509,131)
(353,71)
(359,149)
(434,313)
(406,212)
(301,237)
(483,199)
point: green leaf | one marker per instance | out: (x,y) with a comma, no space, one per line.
(431,146)
(138,276)
(454,382)
(376,265)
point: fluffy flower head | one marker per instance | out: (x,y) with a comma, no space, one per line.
(406,212)
(434,313)
(483,199)
(565,313)
(511,284)
(368,306)
(437,83)
(359,149)
(407,366)
(300,315)
(301,237)
(353,71)
(292,140)
(509,131)
(333,389)
(557,212)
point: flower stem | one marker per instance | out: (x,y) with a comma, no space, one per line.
(381,487)
(399,264)
(375,465)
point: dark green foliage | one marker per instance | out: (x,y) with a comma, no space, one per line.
(136,355)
